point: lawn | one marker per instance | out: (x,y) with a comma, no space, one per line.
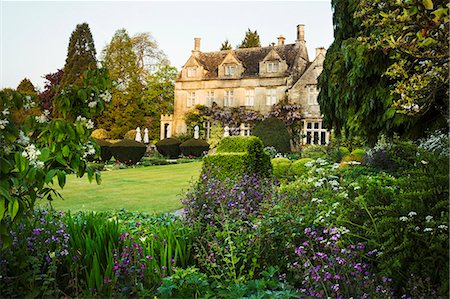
(151,189)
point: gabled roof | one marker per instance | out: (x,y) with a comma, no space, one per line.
(249,57)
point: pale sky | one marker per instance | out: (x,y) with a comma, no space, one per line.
(35,35)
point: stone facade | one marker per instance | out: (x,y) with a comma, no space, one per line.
(255,78)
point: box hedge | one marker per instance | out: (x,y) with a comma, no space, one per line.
(128,151)
(298,167)
(194,147)
(273,132)
(280,167)
(169,147)
(238,155)
(105,150)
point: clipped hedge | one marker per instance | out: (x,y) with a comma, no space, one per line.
(169,147)
(298,167)
(128,151)
(314,151)
(194,147)
(238,155)
(273,132)
(280,167)
(105,150)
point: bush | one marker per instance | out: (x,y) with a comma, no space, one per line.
(100,134)
(356,157)
(273,132)
(280,167)
(105,149)
(298,167)
(130,135)
(194,147)
(128,151)
(238,155)
(314,151)
(335,154)
(169,147)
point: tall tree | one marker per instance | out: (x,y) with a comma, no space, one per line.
(80,55)
(26,87)
(251,40)
(50,89)
(225,45)
(125,112)
(149,57)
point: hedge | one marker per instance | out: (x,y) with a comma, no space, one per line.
(105,150)
(298,167)
(128,151)
(273,132)
(194,147)
(280,167)
(245,155)
(169,147)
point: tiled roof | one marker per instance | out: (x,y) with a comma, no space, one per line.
(249,57)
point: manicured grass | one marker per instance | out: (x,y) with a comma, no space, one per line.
(151,189)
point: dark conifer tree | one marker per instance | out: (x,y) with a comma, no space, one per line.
(251,40)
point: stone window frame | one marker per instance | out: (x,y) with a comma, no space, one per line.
(228,98)
(272,66)
(209,99)
(191,72)
(190,99)
(249,97)
(229,70)
(313,93)
(271,96)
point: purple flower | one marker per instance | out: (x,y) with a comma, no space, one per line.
(36,231)
(335,287)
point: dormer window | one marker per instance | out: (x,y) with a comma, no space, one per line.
(272,67)
(229,69)
(191,72)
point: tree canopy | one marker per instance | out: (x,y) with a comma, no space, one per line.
(80,55)
(251,40)
(371,73)
(225,45)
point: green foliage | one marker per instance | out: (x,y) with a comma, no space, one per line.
(251,40)
(130,135)
(336,153)
(280,167)
(358,154)
(298,167)
(128,151)
(226,46)
(273,132)
(314,151)
(100,134)
(80,56)
(105,149)
(194,147)
(169,147)
(215,135)
(185,283)
(237,155)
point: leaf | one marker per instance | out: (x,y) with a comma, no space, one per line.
(2,208)
(428,4)
(49,176)
(45,154)
(429,41)
(82,94)
(61,178)
(4,192)
(98,177)
(389,113)
(13,208)
(66,151)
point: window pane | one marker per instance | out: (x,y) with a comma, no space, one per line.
(308,138)
(322,138)
(308,125)
(316,137)
(316,126)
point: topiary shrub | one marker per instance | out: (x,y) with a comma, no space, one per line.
(298,167)
(273,132)
(130,135)
(358,154)
(280,167)
(236,156)
(169,147)
(335,153)
(314,151)
(100,134)
(194,147)
(356,157)
(105,149)
(128,151)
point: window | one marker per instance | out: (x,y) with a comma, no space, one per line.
(250,97)
(312,95)
(229,98)
(244,129)
(192,72)
(209,98)
(272,67)
(271,97)
(230,70)
(314,133)
(191,99)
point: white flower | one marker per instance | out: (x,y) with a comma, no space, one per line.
(403,218)
(32,154)
(309,164)
(443,227)
(92,104)
(3,123)
(334,183)
(106,96)
(316,200)
(23,140)
(412,213)
(46,112)
(335,166)
(428,218)
(5,112)
(352,163)
(417,228)
(90,124)
(343,230)
(81,118)
(41,118)
(427,229)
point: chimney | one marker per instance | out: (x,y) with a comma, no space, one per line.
(300,33)
(281,40)
(320,50)
(197,44)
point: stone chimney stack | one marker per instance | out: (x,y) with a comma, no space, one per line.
(281,40)
(320,50)
(300,33)
(197,44)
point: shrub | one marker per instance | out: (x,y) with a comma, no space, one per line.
(105,149)
(273,132)
(298,167)
(358,154)
(169,147)
(236,156)
(335,154)
(314,151)
(194,147)
(130,135)
(100,134)
(280,167)
(128,151)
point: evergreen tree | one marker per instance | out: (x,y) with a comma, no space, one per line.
(225,45)
(26,87)
(80,55)
(251,40)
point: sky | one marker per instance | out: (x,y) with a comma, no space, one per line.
(34,35)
